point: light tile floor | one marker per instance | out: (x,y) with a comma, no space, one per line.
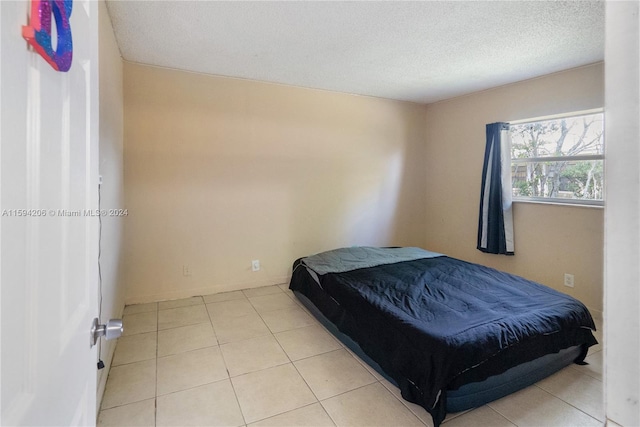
(258,358)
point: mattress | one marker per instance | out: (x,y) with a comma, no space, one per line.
(433,324)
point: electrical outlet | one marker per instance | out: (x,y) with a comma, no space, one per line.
(255,265)
(568,280)
(186,270)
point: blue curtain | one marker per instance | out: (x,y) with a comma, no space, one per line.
(495,225)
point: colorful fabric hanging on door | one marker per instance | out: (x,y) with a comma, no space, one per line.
(38,32)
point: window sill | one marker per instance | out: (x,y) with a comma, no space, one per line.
(560,202)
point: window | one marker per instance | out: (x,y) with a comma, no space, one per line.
(559,160)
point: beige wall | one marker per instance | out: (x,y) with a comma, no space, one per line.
(222,171)
(112,189)
(550,240)
(219,172)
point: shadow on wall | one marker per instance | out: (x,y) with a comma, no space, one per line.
(273,174)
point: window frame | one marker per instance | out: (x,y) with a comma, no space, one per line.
(583,157)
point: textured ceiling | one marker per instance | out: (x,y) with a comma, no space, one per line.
(414,51)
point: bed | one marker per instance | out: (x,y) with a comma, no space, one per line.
(452,335)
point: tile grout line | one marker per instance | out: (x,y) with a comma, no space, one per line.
(361,387)
(133,361)
(210,322)
(305,382)
(322,353)
(283,364)
(592,376)
(213,328)
(199,385)
(225,362)
(499,414)
(568,403)
(189,388)
(235,394)
(354,358)
(267,326)
(292,410)
(404,403)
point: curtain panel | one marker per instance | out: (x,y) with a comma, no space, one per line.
(495,225)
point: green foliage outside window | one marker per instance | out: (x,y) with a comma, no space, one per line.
(559,159)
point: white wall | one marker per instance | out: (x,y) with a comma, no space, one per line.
(112,189)
(622,215)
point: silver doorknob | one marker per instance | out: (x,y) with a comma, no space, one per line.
(113,329)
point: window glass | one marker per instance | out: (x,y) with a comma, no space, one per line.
(559,160)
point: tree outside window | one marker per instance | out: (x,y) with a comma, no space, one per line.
(559,160)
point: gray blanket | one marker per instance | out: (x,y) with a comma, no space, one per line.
(347,259)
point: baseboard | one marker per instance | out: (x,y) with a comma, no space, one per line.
(205,290)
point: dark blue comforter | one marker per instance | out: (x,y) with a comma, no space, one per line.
(436,324)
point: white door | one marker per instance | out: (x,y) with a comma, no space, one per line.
(48,158)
